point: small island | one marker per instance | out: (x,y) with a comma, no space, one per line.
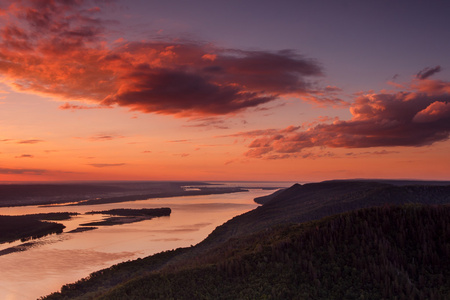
(125,216)
(26,227)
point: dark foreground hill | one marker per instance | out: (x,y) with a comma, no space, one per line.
(388,251)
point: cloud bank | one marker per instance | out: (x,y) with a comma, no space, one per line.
(60,48)
(418,117)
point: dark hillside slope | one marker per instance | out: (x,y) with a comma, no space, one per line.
(267,198)
(313,201)
(392,252)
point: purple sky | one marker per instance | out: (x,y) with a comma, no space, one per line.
(361,44)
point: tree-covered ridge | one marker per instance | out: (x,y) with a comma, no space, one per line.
(388,252)
(301,203)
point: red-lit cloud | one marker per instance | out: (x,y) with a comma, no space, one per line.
(418,117)
(59,48)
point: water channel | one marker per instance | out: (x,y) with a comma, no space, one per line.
(64,258)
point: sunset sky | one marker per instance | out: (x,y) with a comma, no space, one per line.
(224,90)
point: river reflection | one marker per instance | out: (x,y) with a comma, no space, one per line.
(59,259)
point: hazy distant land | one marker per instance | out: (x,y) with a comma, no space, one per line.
(104,192)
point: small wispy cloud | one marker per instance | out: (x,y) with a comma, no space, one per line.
(74,107)
(105,137)
(101,137)
(181,154)
(427,72)
(23,171)
(25,156)
(209,122)
(29,141)
(106,165)
(179,141)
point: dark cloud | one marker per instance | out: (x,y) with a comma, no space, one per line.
(427,72)
(417,118)
(58,48)
(184,94)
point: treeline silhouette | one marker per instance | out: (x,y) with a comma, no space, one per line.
(27,227)
(125,215)
(387,252)
(153,212)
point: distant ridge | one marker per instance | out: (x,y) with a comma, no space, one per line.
(400,182)
(396,182)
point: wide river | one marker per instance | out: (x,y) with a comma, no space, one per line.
(55,260)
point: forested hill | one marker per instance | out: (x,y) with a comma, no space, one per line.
(313,201)
(381,251)
(391,252)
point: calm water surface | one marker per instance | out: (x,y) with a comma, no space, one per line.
(59,259)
